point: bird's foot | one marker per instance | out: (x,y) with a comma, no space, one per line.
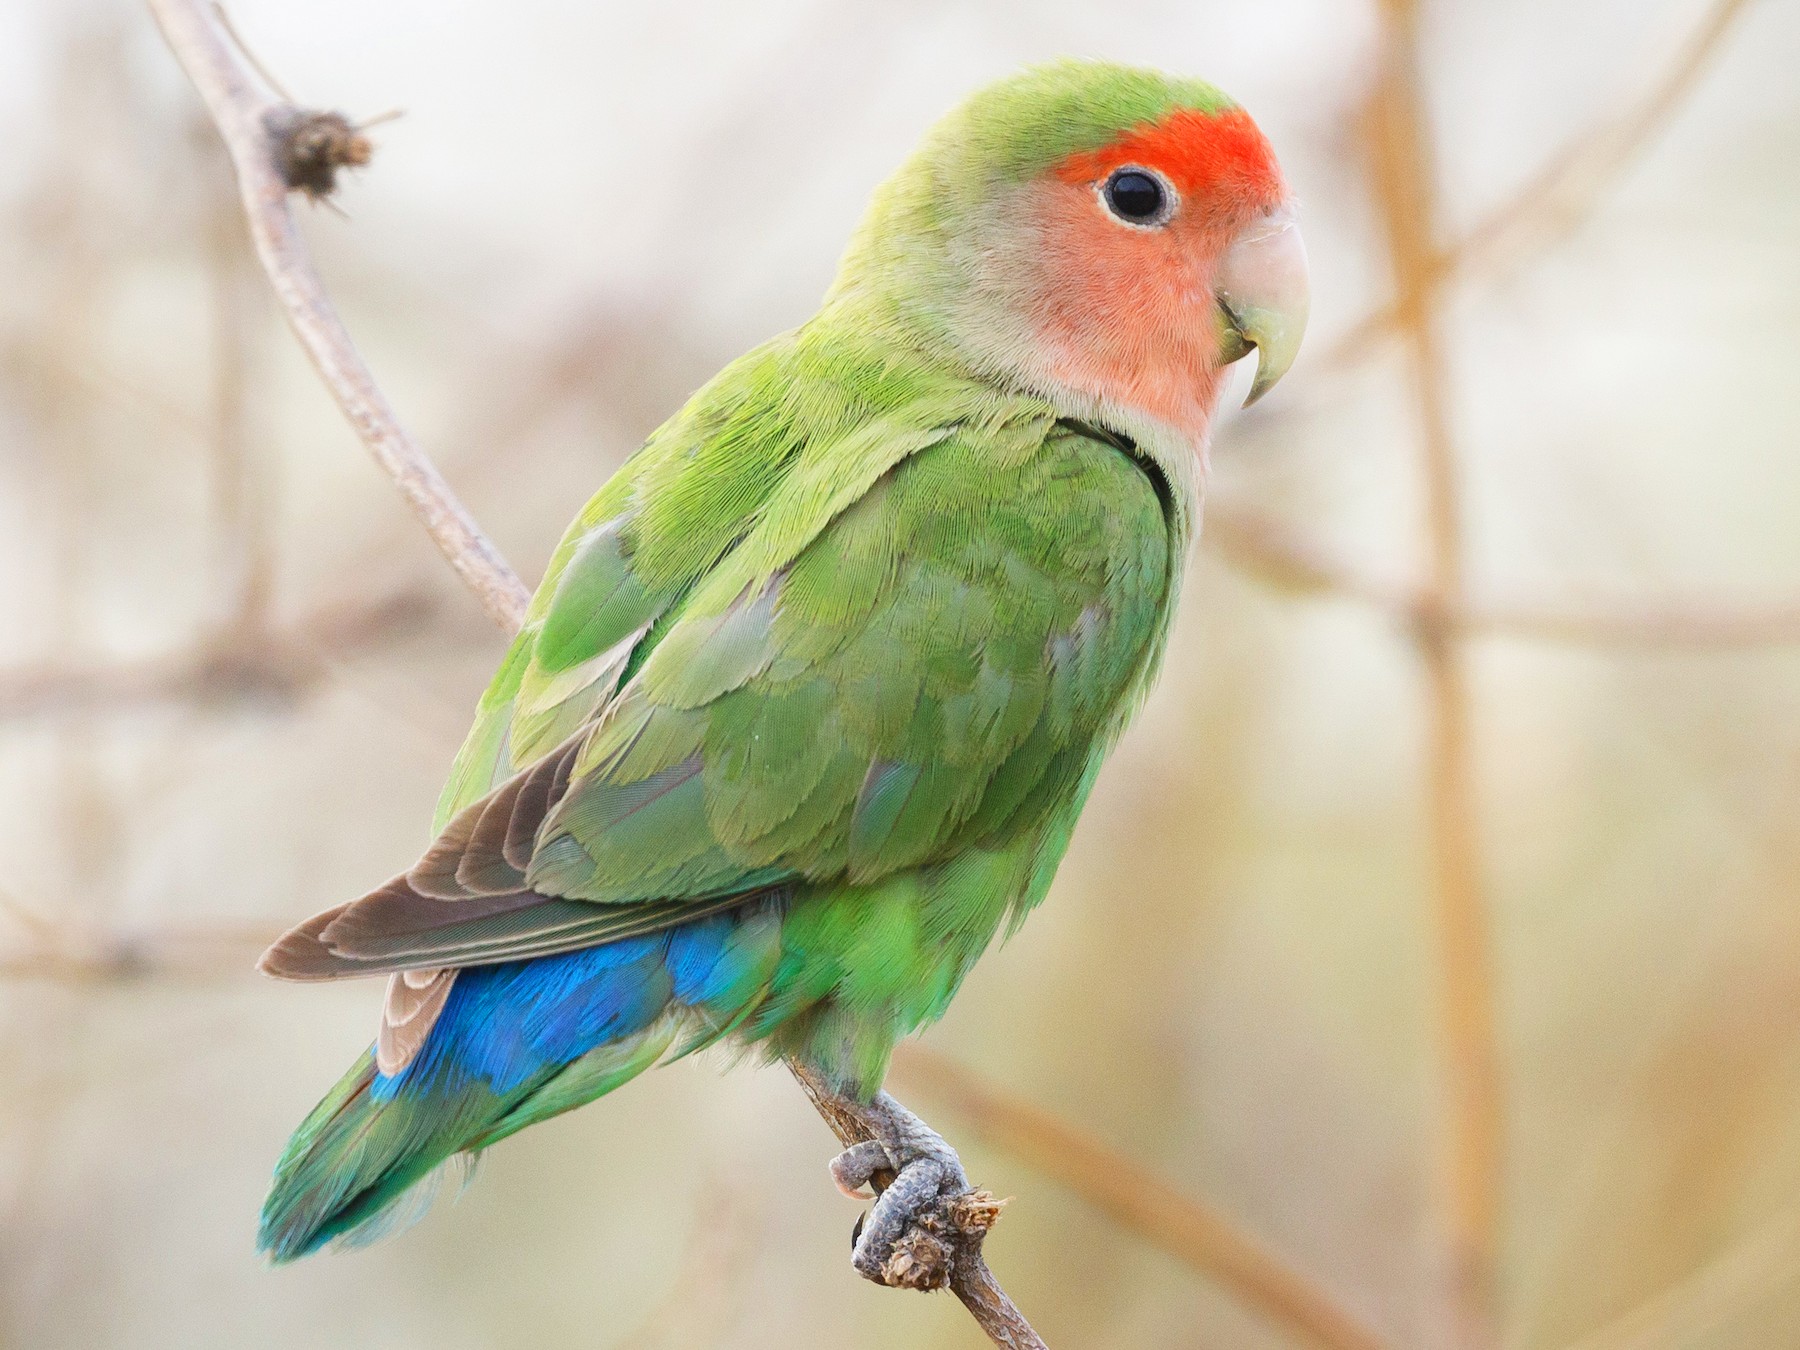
(925,1211)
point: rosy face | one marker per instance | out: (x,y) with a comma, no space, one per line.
(1163,257)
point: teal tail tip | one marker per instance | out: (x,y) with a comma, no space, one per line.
(288,1232)
(375,1152)
(353,1171)
(516,1043)
(280,1245)
(284,1235)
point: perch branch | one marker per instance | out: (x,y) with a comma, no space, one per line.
(260,134)
(1137,1199)
(970,1279)
(243,501)
(274,149)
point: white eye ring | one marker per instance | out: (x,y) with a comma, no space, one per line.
(1138,197)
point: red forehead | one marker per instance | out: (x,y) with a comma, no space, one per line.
(1201,153)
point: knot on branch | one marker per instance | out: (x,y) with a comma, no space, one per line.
(309,147)
(940,1239)
(920,1260)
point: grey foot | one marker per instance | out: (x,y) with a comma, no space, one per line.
(925,1210)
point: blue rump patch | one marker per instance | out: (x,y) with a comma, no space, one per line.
(505,1024)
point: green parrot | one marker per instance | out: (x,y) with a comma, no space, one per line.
(814,689)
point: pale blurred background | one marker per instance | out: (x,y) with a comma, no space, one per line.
(232,673)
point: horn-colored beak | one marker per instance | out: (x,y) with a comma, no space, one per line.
(1264,298)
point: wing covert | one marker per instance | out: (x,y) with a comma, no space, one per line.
(914,647)
(954,644)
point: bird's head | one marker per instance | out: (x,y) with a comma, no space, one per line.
(1094,230)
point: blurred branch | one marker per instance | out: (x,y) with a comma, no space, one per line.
(252,664)
(1283,559)
(1138,1200)
(26,917)
(34,362)
(1472,1109)
(78,954)
(1567,187)
(275,150)
(261,133)
(707,1293)
(1700,624)
(1549,204)
(1699,1309)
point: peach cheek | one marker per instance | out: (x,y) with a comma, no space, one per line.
(1125,314)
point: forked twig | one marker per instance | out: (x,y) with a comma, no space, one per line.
(1564,188)
(252,126)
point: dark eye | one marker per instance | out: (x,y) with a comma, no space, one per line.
(1136,196)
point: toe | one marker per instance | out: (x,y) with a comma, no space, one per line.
(852,1170)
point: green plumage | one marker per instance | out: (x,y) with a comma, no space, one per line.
(804,710)
(888,692)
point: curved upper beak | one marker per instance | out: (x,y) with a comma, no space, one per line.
(1263,298)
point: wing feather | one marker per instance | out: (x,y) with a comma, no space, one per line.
(913,649)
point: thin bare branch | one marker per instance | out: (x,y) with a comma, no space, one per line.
(1569,185)
(1137,1199)
(250,665)
(1279,557)
(252,126)
(77,954)
(1472,1110)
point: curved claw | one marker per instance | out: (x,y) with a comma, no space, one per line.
(927,1222)
(896,1245)
(853,1171)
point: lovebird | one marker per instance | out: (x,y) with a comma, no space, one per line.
(813,691)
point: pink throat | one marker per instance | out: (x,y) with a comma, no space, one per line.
(1168,376)
(1125,317)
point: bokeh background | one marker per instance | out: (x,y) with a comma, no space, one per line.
(1428,960)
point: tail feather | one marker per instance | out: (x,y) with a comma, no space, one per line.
(353,1158)
(515,1044)
(453,1175)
